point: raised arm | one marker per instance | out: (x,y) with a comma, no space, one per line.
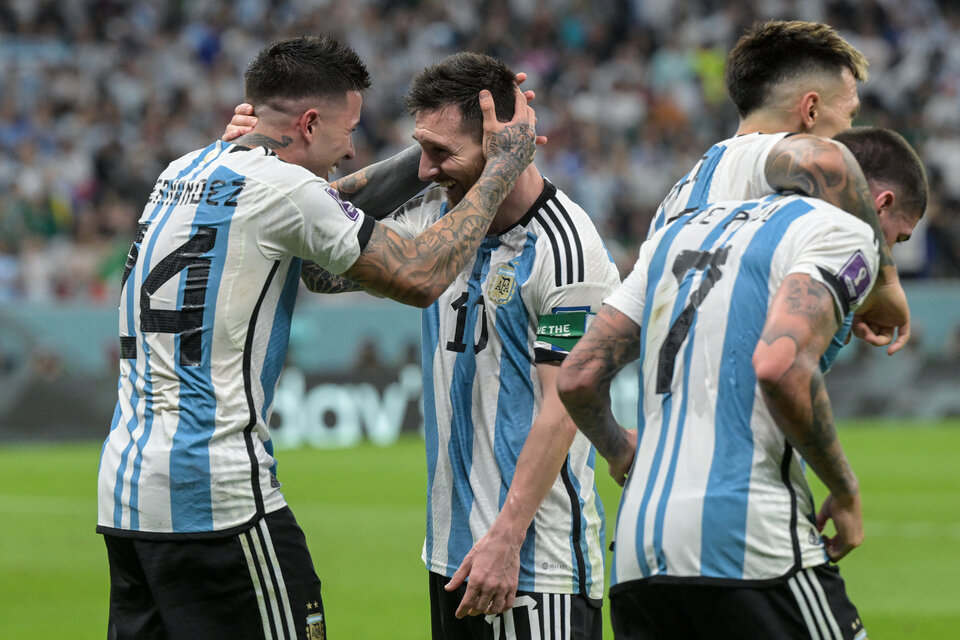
(827,170)
(417,270)
(799,326)
(611,342)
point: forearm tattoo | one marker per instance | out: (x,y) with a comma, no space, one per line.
(429,262)
(798,400)
(808,298)
(260,140)
(809,165)
(599,356)
(319,280)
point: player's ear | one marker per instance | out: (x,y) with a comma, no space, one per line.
(809,109)
(309,124)
(884,201)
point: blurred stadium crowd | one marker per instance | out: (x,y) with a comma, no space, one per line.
(99,95)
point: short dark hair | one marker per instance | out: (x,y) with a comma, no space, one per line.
(457,81)
(308,66)
(886,157)
(778,50)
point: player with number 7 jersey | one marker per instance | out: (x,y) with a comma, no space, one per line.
(716,494)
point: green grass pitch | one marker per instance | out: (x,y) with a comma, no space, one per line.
(363,513)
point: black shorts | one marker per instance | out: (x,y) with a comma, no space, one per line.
(258,584)
(811,604)
(534,616)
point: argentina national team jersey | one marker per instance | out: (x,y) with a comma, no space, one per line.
(716,493)
(730,170)
(544,276)
(208,292)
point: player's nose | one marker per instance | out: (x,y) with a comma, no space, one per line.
(428,169)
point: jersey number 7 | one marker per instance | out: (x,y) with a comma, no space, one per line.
(709,262)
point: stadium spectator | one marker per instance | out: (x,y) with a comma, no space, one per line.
(716,529)
(199,537)
(60,66)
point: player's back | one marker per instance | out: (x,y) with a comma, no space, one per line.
(715,491)
(208,291)
(733,169)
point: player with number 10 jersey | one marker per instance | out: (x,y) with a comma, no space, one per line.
(526,300)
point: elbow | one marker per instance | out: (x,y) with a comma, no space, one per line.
(769,365)
(574,385)
(417,294)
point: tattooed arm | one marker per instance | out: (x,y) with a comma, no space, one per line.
(416,271)
(800,323)
(319,280)
(827,170)
(611,342)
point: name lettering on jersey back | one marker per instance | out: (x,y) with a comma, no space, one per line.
(215,193)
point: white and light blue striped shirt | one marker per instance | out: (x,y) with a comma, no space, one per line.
(205,307)
(715,491)
(482,391)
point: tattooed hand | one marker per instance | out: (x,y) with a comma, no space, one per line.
(512,143)
(417,270)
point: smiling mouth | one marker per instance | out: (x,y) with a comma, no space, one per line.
(447,184)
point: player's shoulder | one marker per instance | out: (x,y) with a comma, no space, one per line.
(428,205)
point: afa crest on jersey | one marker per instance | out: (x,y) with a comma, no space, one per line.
(502,285)
(316,630)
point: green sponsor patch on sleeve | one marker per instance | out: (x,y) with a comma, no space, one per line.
(562,330)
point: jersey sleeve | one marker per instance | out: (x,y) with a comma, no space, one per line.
(630,297)
(314,223)
(417,214)
(839,251)
(564,312)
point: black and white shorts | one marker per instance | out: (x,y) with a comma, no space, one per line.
(811,604)
(259,584)
(534,616)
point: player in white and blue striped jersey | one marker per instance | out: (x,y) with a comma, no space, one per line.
(511,503)
(791,81)
(199,537)
(716,508)
(717,530)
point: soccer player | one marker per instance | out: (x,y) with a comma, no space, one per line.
(730,309)
(200,541)
(511,501)
(788,78)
